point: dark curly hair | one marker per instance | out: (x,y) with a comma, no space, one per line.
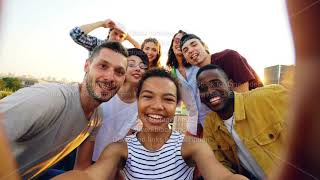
(162,73)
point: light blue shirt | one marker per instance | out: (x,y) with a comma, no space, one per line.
(190,96)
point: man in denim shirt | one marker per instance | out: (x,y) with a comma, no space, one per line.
(117,32)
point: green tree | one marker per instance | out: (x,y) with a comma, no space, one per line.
(12,83)
(2,84)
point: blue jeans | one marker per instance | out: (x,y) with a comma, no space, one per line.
(66,164)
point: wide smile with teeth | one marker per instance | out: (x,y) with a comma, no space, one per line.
(105,86)
(194,56)
(215,100)
(155,118)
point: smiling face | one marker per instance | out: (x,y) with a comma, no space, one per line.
(135,69)
(157,103)
(117,35)
(151,49)
(176,44)
(214,89)
(105,74)
(194,52)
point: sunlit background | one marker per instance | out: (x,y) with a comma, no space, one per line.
(35,33)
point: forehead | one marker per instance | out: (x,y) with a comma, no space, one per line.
(150,44)
(179,35)
(188,42)
(209,75)
(134,58)
(159,85)
(111,57)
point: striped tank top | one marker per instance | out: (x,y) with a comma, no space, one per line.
(165,163)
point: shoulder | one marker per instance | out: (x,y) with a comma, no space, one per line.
(265,98)
(211,121)
(225,53)
(41,94)
(265,92)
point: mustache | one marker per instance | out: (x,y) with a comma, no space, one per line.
(107,85)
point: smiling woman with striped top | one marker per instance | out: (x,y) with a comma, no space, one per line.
(156,152)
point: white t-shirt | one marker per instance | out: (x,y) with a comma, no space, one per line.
(247,161)
(118,118)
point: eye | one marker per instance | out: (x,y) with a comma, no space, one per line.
(215,84)
(102,66)
(203,88)
(185,50)
(120,72)
(193,44)
(146,96)
(170,99)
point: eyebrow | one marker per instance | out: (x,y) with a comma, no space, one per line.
(170,94)
(166,94)
(105,61)
(193,42)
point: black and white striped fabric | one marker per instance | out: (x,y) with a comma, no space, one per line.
(165,163)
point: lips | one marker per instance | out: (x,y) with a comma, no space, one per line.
(177,47)
(150,57)
(136,75)
(215,100)
(106,86)
(194,56)
(155,118)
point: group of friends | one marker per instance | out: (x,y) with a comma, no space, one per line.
(118,117)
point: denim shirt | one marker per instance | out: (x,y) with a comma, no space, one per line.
(190,96)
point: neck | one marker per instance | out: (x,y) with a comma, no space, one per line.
(226,112)
(179,60)
(127,92)
(154,140)
(206,61)
(88,104)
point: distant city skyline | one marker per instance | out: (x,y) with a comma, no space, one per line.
(35,34)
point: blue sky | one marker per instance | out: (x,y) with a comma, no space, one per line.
(35,33)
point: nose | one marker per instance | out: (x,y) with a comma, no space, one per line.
(108,75)
(157,104)
(117,38)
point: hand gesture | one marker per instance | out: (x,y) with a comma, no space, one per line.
(108,23)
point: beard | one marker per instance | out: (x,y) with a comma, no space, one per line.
(229,102)
(102,97)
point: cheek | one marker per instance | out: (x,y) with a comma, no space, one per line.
(171,109)
(120,80)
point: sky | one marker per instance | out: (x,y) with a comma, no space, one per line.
(35,33)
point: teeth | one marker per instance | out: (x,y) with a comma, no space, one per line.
(214,99)
(194,56)
(105,85)
(155,116)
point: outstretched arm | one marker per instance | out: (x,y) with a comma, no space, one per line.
(133,41)
(195,150)
(81,37)
(105,168)
(87,28)
(84,155)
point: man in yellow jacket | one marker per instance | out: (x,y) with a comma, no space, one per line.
(246,131)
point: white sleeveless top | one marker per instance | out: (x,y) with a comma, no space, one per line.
(165,163)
